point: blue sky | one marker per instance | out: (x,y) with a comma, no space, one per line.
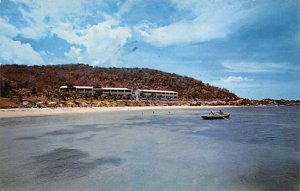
(251,47)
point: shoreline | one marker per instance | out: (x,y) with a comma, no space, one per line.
(30,112)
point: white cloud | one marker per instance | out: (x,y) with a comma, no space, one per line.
(103,42)
(13,51)
(257,67)
(235,79)
(41,16)
(7,29)
(213,19)
(236,82)
(43,53)
(67,32)
(74,54)
(16,52)
(125,7)
(99,43)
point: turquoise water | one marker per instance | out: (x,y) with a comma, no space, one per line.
(257,149)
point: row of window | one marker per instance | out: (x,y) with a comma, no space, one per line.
(116,91)
(160,94)
(163,98)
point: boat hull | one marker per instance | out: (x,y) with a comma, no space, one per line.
(216,116)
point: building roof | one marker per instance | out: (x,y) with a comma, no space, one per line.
(77,87)
(108,88)
(157,91)
(83,87)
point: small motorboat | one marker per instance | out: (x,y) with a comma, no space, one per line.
(216,115)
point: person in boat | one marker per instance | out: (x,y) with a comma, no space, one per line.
(211,113)
(221,112)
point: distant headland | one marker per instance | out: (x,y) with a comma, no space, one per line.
(80,85)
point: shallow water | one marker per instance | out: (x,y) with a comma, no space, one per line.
(257,149)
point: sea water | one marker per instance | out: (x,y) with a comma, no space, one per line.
(258,148)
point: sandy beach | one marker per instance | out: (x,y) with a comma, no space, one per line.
(23,112)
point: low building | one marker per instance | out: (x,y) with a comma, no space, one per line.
(125,93)
(116,91)
(78,89)
(142,94)
(63,88)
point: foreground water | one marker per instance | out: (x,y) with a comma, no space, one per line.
(257,149)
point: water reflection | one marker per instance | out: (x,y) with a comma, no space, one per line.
(69,163)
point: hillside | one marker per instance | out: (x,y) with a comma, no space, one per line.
(20,79)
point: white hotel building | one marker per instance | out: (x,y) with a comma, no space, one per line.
(116,91)
(138,94)
(141,94)
(79,89)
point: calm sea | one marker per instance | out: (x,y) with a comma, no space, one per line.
(257,149)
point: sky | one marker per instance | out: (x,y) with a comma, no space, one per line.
(251,47)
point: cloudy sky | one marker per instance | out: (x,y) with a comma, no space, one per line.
(251,47)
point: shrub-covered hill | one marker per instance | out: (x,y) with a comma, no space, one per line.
(45,79)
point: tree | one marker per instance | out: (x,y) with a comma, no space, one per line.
(34,90)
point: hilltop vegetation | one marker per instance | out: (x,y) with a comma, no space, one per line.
(19,80)
(38,86)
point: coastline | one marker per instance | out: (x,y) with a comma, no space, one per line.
(30,112)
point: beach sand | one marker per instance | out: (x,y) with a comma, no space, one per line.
(23,112)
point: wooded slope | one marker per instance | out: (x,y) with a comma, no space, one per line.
(45,79)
